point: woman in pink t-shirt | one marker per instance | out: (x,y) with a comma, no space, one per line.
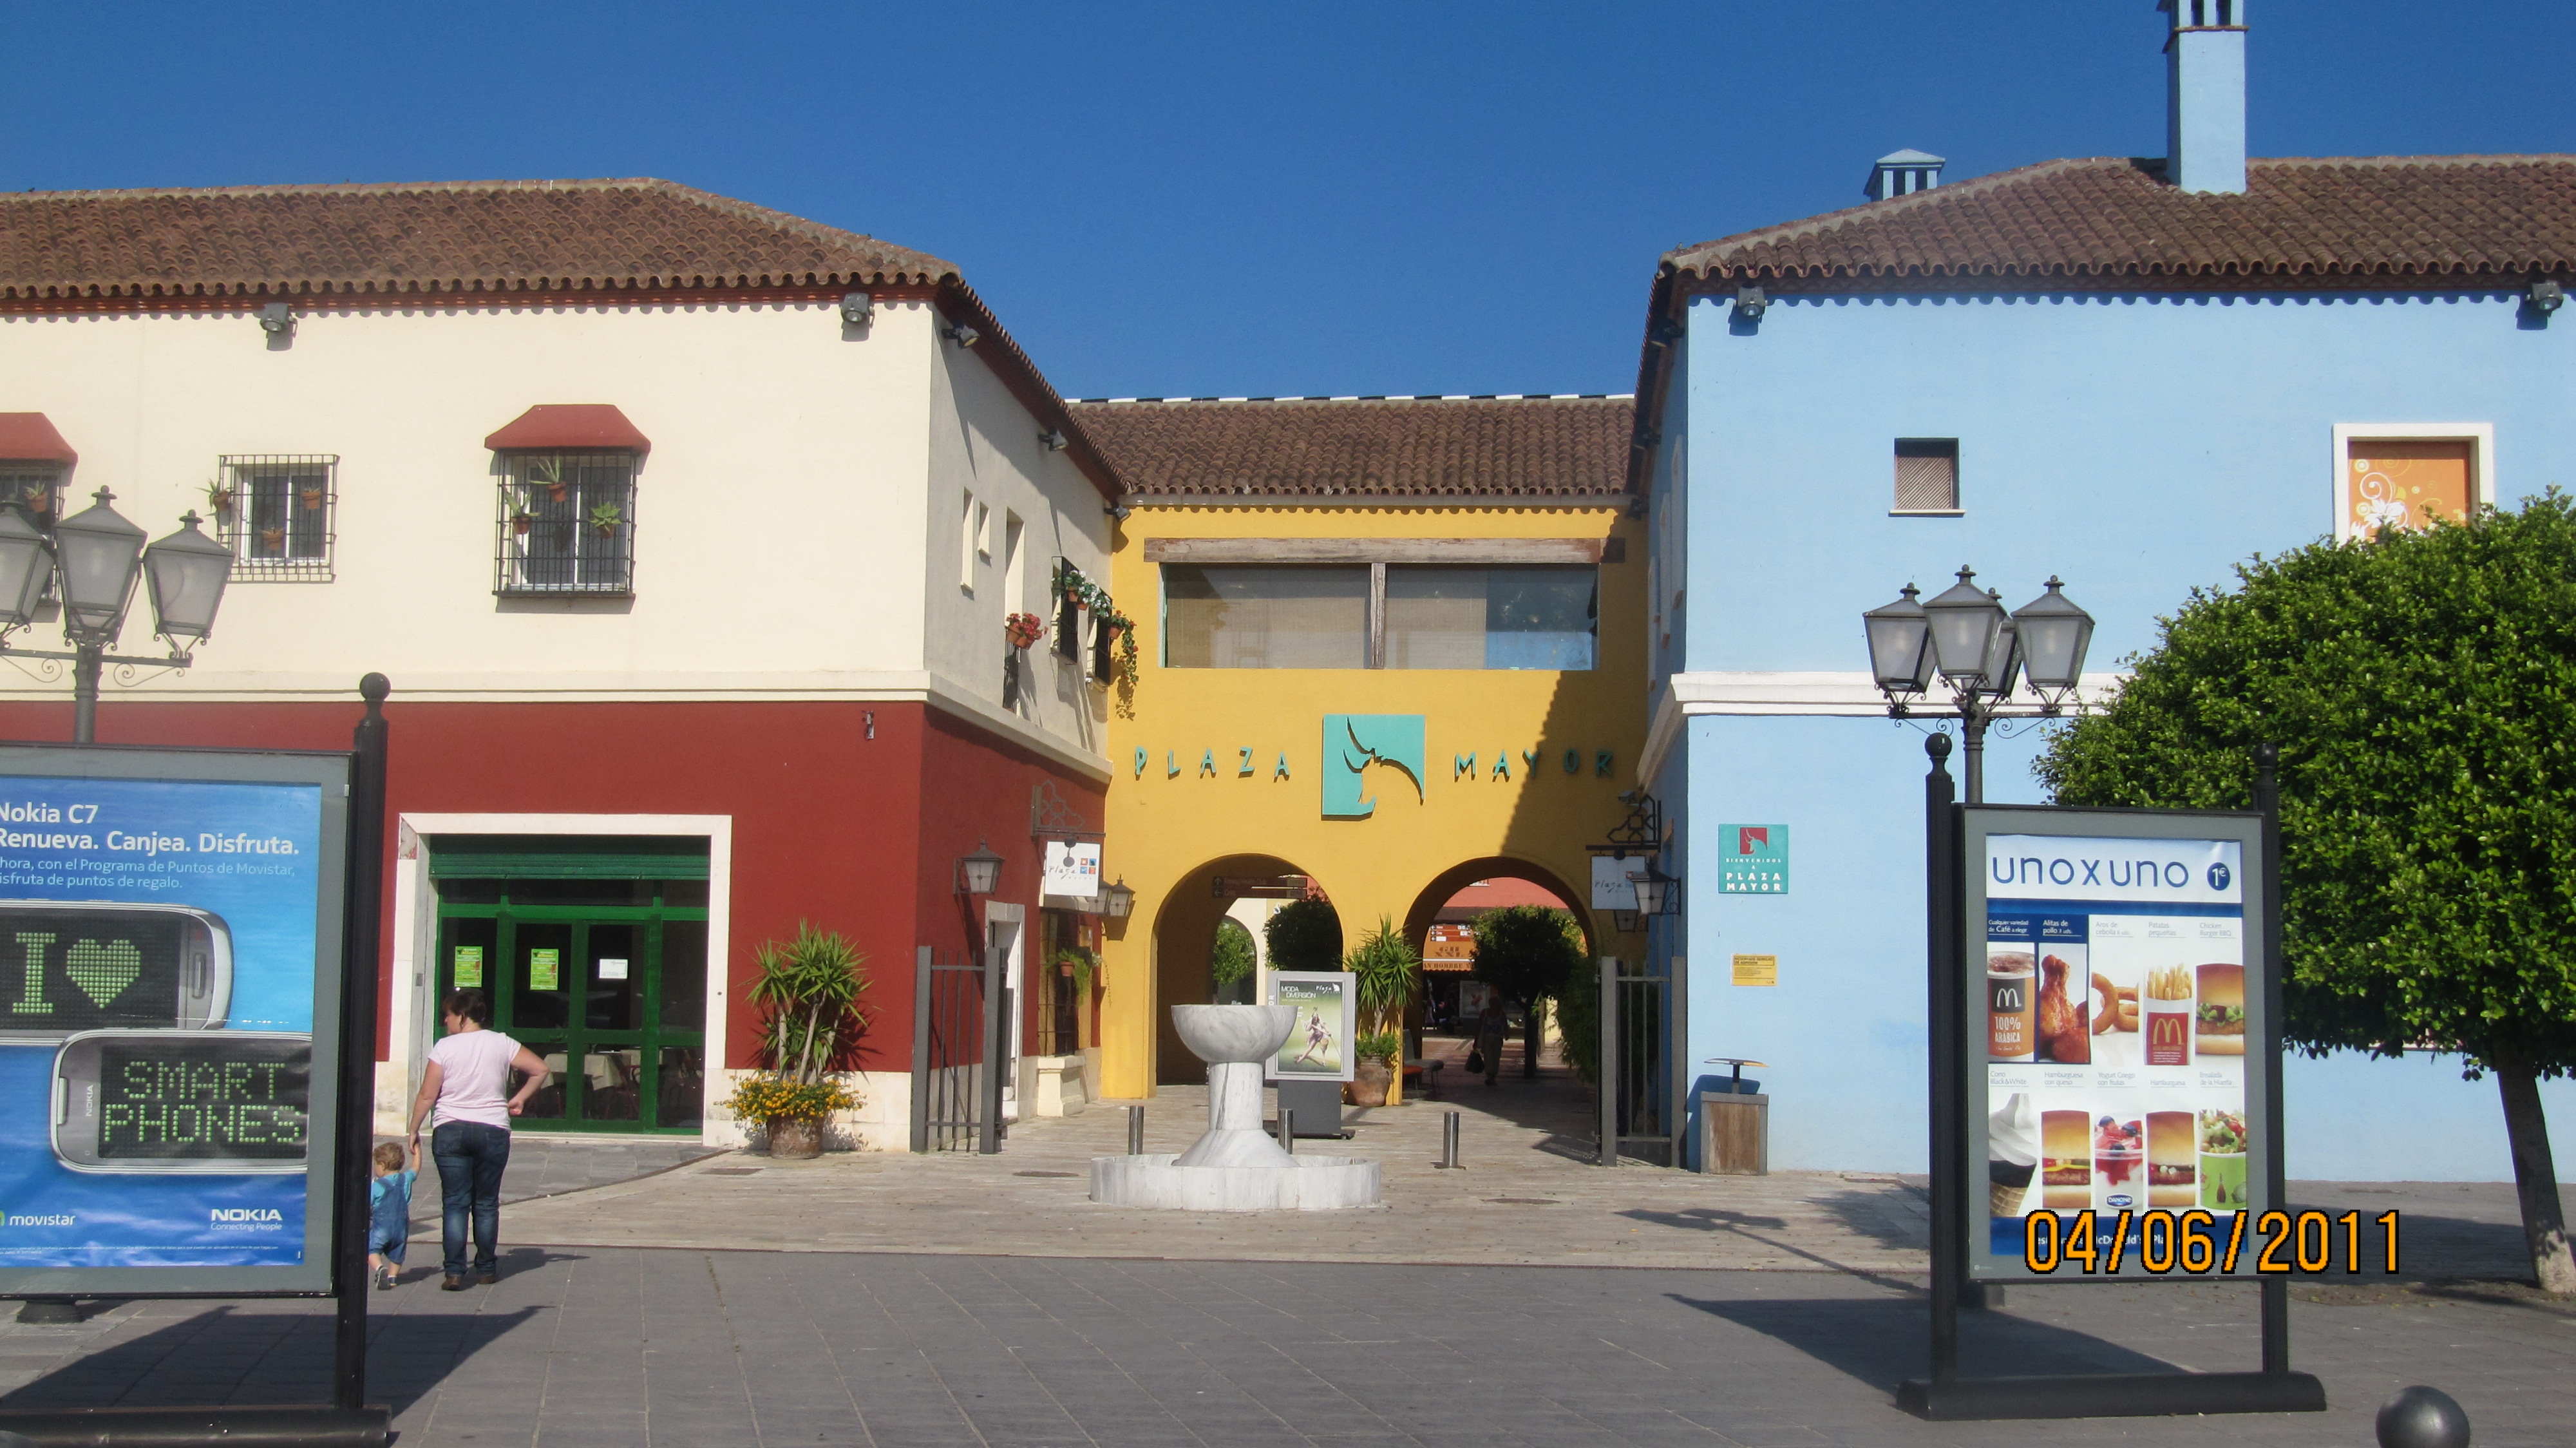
(469,1070)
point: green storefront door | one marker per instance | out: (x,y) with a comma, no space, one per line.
(593,952)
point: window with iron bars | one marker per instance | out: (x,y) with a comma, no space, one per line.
(277,512)
(35,489)
(567,524)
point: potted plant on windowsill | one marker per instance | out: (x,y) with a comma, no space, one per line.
(807,993)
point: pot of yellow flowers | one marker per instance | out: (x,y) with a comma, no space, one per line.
(807,993)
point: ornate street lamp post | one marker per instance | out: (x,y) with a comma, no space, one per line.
(1982,653)
(96,557)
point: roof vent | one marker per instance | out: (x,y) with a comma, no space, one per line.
(1902,173)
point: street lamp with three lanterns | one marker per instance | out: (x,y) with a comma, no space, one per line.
(1981,653)
(92,561)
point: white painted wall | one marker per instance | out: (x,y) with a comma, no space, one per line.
(983,445)
(797,468)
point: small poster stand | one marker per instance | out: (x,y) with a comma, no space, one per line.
(2036,1115)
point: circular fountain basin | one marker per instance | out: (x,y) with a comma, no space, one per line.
(1304,1184)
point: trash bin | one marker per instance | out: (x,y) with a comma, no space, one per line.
(1734,1132)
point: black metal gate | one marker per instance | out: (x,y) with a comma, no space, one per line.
(959,1009)
(1636,1087)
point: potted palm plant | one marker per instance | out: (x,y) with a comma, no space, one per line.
(807,992)
(1386,971)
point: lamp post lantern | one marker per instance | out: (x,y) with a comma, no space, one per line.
(94,560)
(1981,652)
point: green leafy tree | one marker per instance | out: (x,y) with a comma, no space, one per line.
(2422,690)
(807,993)
(1527,953)
(1578,1020)
(1386,971)
(1232,961)
(1304,935)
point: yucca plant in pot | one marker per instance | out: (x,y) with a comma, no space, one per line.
(1386,972)
(807,993)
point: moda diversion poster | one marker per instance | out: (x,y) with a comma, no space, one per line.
(2114,1028)
(1318,1045)
(157,960)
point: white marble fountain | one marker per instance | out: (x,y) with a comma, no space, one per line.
(1236,1167)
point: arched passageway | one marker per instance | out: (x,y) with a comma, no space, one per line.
(1452,1009)
(1185,944)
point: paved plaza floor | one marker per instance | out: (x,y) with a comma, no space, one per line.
(590,1347)
(655,1294)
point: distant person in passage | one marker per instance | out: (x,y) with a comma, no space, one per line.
(468,1074)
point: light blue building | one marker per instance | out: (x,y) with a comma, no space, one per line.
(2129,373)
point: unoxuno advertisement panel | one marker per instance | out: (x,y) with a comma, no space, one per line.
(2115,1031)
(169,991)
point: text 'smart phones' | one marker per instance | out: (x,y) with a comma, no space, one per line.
(69,966)
(183,1101)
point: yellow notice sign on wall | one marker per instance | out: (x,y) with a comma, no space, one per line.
(1757,970)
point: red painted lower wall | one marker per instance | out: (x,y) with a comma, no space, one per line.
(854,833)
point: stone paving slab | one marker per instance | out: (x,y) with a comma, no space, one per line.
(645,1347)
(547,1166)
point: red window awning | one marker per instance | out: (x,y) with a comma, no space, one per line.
(27,437)
(570,427)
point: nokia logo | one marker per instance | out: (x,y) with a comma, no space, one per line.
(268,1215)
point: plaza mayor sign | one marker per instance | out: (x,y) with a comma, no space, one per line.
(1360,750)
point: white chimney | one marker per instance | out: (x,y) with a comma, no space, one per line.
(1902,173)
(2205,95)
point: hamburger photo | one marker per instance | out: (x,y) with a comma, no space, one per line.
(2218,1027)
(2065,1160)
(2173,1177)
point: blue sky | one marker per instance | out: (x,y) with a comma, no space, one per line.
(1224,199)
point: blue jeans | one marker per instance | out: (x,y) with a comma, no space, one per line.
(470,1157)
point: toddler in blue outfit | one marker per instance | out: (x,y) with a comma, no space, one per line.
(389,1213)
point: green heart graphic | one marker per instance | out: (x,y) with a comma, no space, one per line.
(103,971)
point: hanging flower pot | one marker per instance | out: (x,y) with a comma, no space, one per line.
(519,523)
(218,497)
(274,538)
(312,499)
(607,518)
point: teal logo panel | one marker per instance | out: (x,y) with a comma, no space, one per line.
(1753,860)
(1353,742)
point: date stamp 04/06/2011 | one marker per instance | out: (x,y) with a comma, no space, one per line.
(2193,1242)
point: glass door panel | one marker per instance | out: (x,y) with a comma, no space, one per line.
(612,1083)
(684,975)
(681,1096)
(613,985)
(540,989)
(547,1106)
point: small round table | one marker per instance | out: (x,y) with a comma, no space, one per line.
(1736,1083)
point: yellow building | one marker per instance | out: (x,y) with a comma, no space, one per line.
(1393,646)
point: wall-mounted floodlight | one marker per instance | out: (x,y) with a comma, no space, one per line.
(961,334)
(1750,304)
(2546,296)
(1054,439)
(858,308)
(1117,512)
(277,318)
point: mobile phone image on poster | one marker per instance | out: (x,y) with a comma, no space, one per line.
(2108,1029)
(161,972)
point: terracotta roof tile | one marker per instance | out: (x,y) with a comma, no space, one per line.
(1541,449)
(2455,218)
(438,237)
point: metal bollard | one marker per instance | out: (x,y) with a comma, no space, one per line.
(1449,1141)
(1135,1131)
(1287,1131)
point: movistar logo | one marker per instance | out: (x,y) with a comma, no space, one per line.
(39,1219)
(1353,742)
